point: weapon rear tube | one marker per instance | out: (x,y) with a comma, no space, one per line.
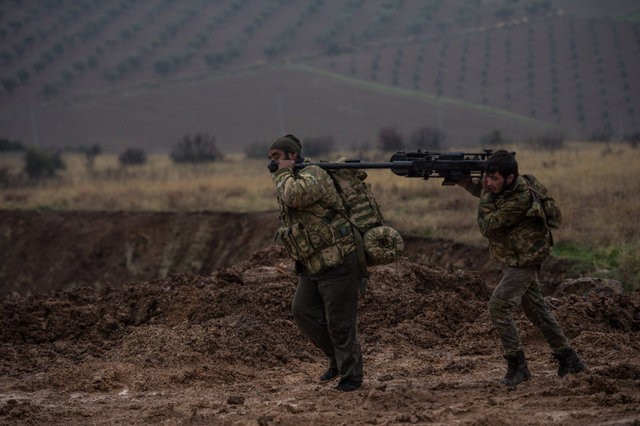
(397,166)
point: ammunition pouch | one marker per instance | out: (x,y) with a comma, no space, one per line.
(318,248)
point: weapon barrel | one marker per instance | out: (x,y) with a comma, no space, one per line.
(451,166)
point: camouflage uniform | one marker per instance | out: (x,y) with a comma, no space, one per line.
(322,243)
(518,238)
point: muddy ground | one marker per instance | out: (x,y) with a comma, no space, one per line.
(220,347)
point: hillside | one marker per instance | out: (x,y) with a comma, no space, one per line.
(130,73)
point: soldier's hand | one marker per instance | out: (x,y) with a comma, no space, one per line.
(282,164)
(485,182)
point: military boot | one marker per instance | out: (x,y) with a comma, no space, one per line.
(331,373)
(569,362)
(517,370)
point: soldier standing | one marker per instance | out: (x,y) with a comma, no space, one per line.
(521,242)
(322,242)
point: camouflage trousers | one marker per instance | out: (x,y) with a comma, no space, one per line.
(520,287)
(325,308)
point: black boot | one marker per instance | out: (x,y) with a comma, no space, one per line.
(331,373)
(569,362)
(517,370)
(349,385)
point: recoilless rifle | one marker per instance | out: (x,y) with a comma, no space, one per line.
(450,166)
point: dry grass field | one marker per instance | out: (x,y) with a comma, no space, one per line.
(594,183)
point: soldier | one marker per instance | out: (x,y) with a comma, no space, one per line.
(322,242)
(521,242)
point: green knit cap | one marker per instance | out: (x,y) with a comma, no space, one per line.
(287,143)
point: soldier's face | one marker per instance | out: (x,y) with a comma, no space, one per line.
(284,159)
(496,183)
(278,154)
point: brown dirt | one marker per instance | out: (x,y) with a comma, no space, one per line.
(56,250)
(221,348)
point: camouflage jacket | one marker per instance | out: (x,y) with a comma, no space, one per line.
(511,222)
(314,229)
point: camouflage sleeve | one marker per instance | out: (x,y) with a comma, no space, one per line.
(496,216)
(307,188)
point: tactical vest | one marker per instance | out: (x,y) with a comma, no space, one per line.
(316,235)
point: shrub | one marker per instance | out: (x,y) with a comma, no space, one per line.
(7,145)
(132,156)
(629,268)
(494,138)
(90,154)
(197,149)
(40,163)
(428,138)
(389,139)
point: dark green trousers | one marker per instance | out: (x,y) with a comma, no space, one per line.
(325,307)
(520,286)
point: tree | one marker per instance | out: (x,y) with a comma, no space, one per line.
(389,139)
(200,148)
(40,163)
(7,145)
(9,83)
(23,75)
(494,138)
(164,66)
(428,138)
(132,156)
(90,154)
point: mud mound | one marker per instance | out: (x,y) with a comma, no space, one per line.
(223,348)
(238,314)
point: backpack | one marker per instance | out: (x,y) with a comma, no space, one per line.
(360,204)
(550,209)
(381,244)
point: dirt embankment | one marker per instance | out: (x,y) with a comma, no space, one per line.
(48,250)
(51,250)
